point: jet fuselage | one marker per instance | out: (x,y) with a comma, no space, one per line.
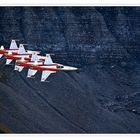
(13,51)
(17,56)
(43,67)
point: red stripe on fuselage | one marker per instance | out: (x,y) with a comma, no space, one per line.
(15,58)
(23,64)
(43,69)
(2,51)
(26,63)
(11,49)
(47,64)
(37,66)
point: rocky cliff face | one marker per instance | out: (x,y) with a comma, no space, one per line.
(103,97)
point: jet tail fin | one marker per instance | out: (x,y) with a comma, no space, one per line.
(13,45)
(2,47)
(21,49)
(48,59)
(34,57)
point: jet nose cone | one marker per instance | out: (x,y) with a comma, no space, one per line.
(69,68)
(75,68)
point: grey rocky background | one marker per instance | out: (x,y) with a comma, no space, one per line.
(102,97)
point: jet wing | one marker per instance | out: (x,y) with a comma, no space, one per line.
(45,75)
(31,73)
(8,61)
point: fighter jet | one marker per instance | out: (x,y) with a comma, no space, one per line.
(47,67)
(12,50)
(23,62)
(21,53)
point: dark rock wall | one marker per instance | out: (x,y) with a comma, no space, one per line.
(103,97)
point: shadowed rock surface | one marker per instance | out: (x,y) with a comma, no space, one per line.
(103,97)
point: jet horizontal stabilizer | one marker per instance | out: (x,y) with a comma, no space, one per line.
(18,68)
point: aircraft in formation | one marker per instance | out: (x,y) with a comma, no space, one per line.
(32,60)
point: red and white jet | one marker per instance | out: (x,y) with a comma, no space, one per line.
(47,67)
(21,53)
(13,49)
(34,60)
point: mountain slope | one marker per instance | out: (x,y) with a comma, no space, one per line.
(102,97)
